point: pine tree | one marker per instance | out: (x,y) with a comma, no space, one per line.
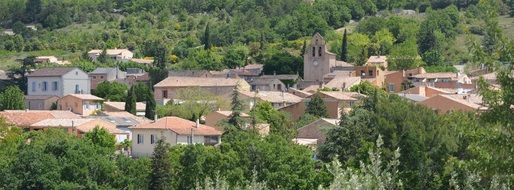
(317,107)
(237,107)
(344,47)
(207,38)
(12,99)
(130,102)
(150,105)
(161,178)
(363,56)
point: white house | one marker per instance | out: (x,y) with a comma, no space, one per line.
(58,82)
(175,131)
(114,54)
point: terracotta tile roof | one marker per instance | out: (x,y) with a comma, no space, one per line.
(273,96)
(339,95)
(377,59)
(339,82)
(109,51)
(179,126)
(124,114)
(82,124)
(85,97)
(189,73)
(462,101)
(436,75)
(51,72)
(140,106)
(25,118)
(228,113)
(197,81)
(90,125)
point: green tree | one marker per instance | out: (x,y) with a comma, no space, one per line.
(280,122)
(344,47)
(102,58)
(316,106)
(130,102)
(12,98)
(150,106)
(101,137)
(207,38)
(235,118)
(19,75)
(160,177)
(235,56)
(33,8)
(111,91)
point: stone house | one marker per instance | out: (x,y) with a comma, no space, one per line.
(82,104)
(100,75)
(113,54)
(40,102)
(57,82)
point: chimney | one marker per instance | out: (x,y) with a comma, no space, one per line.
(155,118)
(197,123)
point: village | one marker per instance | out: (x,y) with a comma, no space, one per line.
(77,111)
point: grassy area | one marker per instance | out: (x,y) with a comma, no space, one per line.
(506,23)
(10,59)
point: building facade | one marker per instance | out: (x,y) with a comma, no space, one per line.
(57,82)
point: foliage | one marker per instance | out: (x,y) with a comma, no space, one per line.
(317,106)
(192,104)
(160,177)
(344,47)
(111,91)
(12,98)
(235,118)
(130,101)
(101,137)
(366,88)
(150,106)
(437,69)
(280,122)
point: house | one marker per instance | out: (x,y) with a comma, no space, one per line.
(335,101)
(427,91)
(213,118)
(379,61)
(415,98)
(142,61)
(80,126)
(443,80)
(40,102)
(121,119)
(100,75)
(299,93)
(120,106)
(82,104)
(175,131)
(316,130)
(134,76)
(50,59)
(166,90)
(114,54)
(267,84)
(277,99)
(25,118)
(247,72)
(373,73)
(57,82)
(443,103)
(342,83)
(397,81)
(190,73)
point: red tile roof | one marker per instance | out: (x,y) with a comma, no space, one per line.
(25,118)
(179,126)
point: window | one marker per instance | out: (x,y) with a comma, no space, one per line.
(33,86)
(77,89)
(189,139)
(54,86)
(319,51)
(94,77)
(363,73)
(153,139)
(390,87)
(140,139)
(313,51)
(45,86)
(164,94)
(101,77)
(370,73)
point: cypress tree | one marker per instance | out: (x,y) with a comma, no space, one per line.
(237,108)
(207,38)
(161,178)
(344,47)
(317,107)
(304,47)
(150,106)
(130,102)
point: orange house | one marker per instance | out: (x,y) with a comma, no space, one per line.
(82,104)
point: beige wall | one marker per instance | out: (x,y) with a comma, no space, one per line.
(444,105)
(146,148)
(78,106)
(40,104)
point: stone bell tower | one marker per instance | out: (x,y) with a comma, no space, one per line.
(317,61)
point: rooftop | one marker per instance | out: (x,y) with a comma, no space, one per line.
(179,126)
(103,70)
(109,51)
(228,113)
(25,118)
(282,77)
(339,95)
(51,72)
(343,82)
(196,81)
(85,97)
(273,96)
(140,106)
(436,75)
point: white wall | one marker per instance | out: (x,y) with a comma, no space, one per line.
(76,77)
(38,82)
(146,148)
